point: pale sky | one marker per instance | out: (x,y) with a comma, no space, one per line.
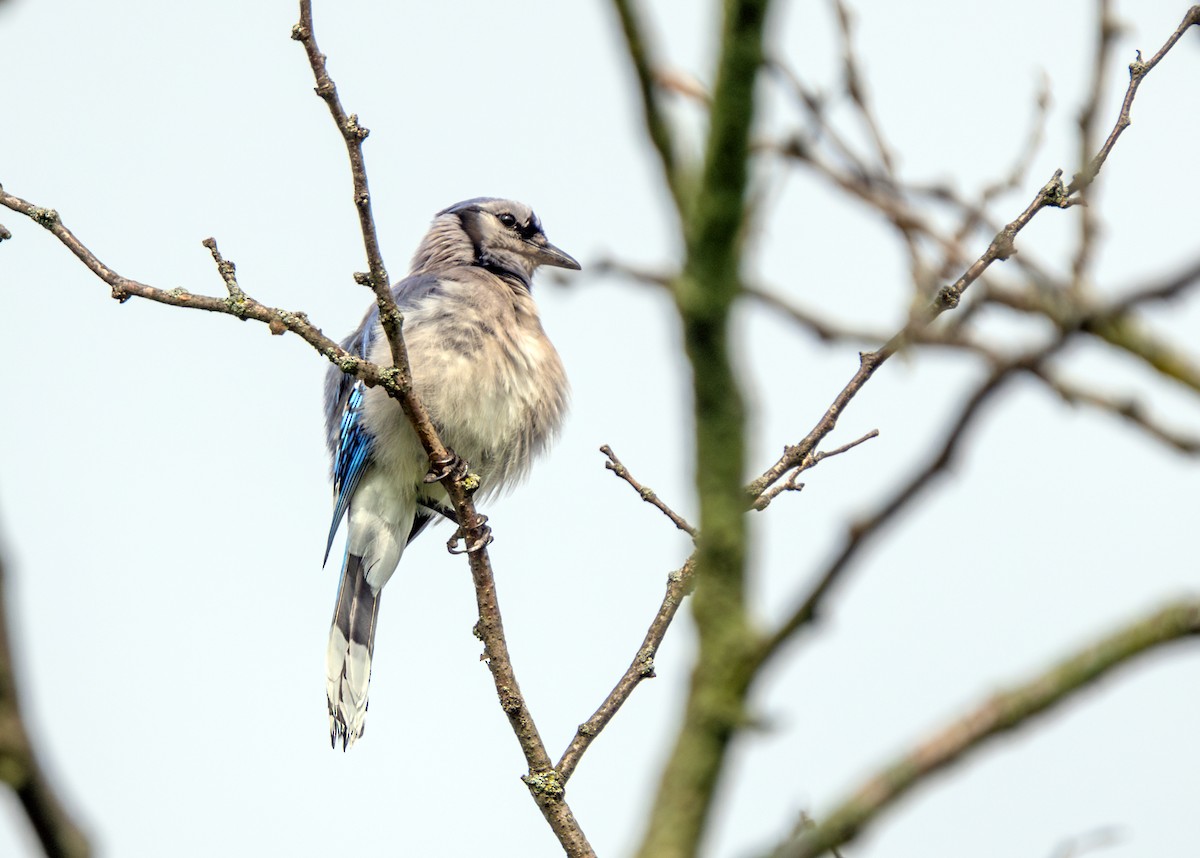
(163,483)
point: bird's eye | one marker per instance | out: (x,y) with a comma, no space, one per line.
(507,219)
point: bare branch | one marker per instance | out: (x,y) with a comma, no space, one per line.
(1033,144)
(856,86)
(1001,247)
(1003,712)
(861,532)
(1137,73)
(679,585)
(1106,26)
(788,485)
(227,270)
(1053,193)
(239,304)
(1165,290)
(641,54)
(1113,323)
(810,462)
(647,494)
(1127,408)
(354,134)
(824,331)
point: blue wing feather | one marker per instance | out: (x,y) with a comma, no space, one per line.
(354,453)
(350,444)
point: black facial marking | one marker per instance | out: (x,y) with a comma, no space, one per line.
(530,229)
(469,218)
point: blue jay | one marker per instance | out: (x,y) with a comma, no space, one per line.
(494,387)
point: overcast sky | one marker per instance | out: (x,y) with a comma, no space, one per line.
(163,484)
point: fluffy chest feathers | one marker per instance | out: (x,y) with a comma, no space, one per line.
(493,384)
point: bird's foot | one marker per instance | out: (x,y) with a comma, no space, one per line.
(451,466)
(474,538)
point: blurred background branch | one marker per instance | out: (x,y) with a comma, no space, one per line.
(20,768)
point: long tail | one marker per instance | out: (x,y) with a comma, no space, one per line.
(348,659)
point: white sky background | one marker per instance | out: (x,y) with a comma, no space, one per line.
(163,483)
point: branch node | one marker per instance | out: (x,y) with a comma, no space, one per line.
(353,130)
(393,379)
(1054,193)
(510,701)
(547,784)
(948,297)
(46,217)
(1137,68)
(1003,246)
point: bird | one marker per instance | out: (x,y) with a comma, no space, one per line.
(494,387)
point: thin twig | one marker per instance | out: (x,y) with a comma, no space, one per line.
(1165,289)
(1033,144)
(1138,70)
(1106,27)
(679,585)
(1001,247)
(227,270)
(1002,712)
(647,494)
(1054,194)
(642,55)
(815,460)
(975,214)
(1114,323)
(826,332)
(863,531)
(244,307)
(856,86)
(814,105)
(1127,408)
(353,134)
(790,485)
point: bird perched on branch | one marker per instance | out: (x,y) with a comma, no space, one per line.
(492,383)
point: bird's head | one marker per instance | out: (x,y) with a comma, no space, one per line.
(501,234)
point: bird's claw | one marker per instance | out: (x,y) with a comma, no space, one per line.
(475,538)
(450,466)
